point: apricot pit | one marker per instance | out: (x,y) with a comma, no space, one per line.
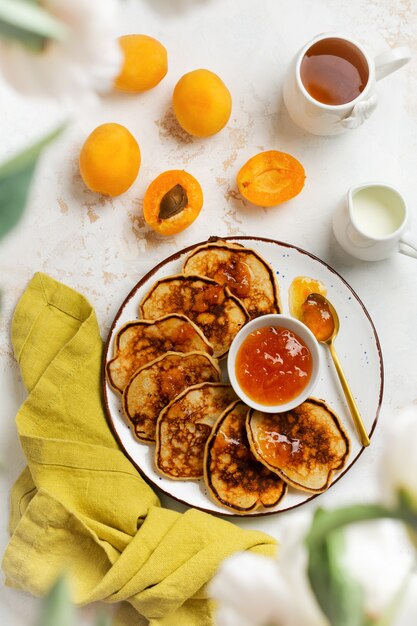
(270,178)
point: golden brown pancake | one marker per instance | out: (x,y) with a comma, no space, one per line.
(211,306)
(304,446)
(159,382)
(140,342)
(232,474)
(184,426)
(248,276)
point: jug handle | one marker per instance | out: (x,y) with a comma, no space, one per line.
(391,61)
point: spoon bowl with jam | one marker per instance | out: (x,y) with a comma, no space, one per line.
(320,316)
(273,363)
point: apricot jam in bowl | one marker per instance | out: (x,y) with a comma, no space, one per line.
(274,363)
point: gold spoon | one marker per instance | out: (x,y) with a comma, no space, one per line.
(321,318)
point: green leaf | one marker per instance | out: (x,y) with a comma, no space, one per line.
(338,594)
(30,24)
(407,505)
(15,178)
(57,607)
(327,521)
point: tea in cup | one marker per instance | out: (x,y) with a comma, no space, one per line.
(374,223)
(334,71)
(330,87)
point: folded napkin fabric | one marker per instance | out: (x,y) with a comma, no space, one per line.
(80,506)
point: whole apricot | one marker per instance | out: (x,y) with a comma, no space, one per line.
(172,202)
(145,63)
(202,103)
(271,177)
(110,159)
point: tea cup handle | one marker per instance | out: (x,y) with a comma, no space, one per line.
(391,61)
(410,240)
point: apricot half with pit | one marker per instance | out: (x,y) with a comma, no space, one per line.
(172,202)
(271,177)
(202,103)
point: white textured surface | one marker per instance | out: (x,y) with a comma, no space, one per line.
(101,247)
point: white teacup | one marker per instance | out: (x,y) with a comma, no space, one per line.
(327,119)
(374,222)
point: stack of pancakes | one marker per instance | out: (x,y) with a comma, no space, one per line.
(165,367)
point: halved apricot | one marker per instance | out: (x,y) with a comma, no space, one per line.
(172,202)
(271,177)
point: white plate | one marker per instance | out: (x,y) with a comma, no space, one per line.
(357,345)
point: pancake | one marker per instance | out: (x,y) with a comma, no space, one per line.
(211,306)
(184,426)
(140,342)
(304,446)
(248,276)
(232,474)
(159,382)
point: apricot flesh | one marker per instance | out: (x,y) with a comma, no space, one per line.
(202,103)
(172,202)
(145,63)
(270,177)
(110,159)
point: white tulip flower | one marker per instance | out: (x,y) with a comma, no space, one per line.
(379,556)
(250,592)
(399,464)
(256,591)
(74,68)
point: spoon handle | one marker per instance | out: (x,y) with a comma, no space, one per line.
(349,398)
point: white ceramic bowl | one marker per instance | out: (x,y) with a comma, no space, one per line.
(281,321)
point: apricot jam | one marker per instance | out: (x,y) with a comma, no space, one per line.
(316,315)
(183,333)
(209,297)
(172,382)
(273,365)
(277,447)
(236,275)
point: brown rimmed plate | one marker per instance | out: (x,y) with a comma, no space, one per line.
(357,345)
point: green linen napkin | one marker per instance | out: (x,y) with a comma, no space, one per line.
(80,505)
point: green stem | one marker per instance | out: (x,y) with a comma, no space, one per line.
(329,521)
